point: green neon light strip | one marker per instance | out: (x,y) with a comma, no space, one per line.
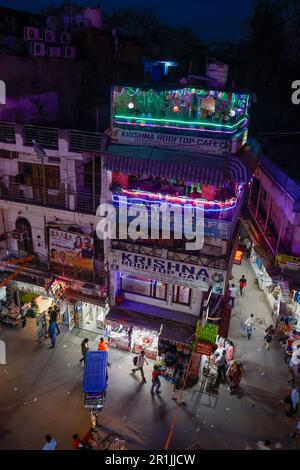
(198,123)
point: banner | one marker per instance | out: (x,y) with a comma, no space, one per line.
(169,271)
(207,333)
(200,144)
(41,326)
(73,250)
(288,262)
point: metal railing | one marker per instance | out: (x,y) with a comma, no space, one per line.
(81,202)
(7,132)
(81,141)
(49,137)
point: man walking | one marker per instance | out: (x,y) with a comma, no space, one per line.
(140,365)
(102,347)
(155,381)
(242,284)
(54,317)
(232,291)
(221,363)
(178,388)
(293,401)
(50,443)
(52,334)
(84,349)
(250,323)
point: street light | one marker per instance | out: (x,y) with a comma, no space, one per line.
(40,152)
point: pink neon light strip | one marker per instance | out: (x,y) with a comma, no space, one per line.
(176,199)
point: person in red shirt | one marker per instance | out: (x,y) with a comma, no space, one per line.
(102,345)
(88,439)
(77,444)
(242,283)
(195,194)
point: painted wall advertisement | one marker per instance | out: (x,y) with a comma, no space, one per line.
(169,271)
(71,249)
(200,144)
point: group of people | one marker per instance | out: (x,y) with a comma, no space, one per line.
(233,289)
(229,370)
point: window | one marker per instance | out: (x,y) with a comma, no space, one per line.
(142,286)
(182,295)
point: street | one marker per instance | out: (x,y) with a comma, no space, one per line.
(40,392)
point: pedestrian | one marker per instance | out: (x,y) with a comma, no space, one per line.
(54,317)
(50,443)
(248,249)
(155,381)
(89,438)
(23,317)
(102,345)
(232,293)
(264,445)
(296,433)
(52,334)
(235,373)
(292,400)
(221,364)
(77,443)
(242,284)
(269,336)
(250,323)
(139,362)
(230,350)
(178,388)
(84,349)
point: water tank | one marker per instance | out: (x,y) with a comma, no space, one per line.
(94,17)
(217,72)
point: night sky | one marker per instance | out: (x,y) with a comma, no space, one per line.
(212,20)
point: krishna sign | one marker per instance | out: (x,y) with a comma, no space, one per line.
(169,271)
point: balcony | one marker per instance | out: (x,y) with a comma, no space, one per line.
(76,202)
(58,142)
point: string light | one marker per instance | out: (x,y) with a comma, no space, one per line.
(177,121)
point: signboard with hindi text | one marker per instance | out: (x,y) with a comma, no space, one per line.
(288,262)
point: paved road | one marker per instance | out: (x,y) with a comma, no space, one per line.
(40,392)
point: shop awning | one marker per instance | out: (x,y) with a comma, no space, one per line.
(177,332)
(207,169)
(121,315)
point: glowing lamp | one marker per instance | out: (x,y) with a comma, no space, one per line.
(232,113)
(175,109)
(130,105)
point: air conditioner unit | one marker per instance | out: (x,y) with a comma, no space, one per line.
(31,34)
(69,52)
(53,51)
(38,49)
(49,35)
(65,38)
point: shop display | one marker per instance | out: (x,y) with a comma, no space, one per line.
(147,340)
(172,357)
(118,335)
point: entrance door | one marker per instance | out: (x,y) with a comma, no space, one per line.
(25,246)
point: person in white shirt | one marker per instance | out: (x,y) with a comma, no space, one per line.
(250,323)
(232,291)
(50,443)
(264,445)
(140,365)
(294,400)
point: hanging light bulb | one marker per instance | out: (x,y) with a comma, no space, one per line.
(175,109)
(130,105)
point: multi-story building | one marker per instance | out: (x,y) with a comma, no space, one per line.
(48,204)
(186,147)
(274,206)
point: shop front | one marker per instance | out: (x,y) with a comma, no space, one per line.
(162,339)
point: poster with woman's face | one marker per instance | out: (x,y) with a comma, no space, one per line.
(71,249)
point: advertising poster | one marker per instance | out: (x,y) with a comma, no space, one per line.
(73,250)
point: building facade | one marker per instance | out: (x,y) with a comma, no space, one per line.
(185,147)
